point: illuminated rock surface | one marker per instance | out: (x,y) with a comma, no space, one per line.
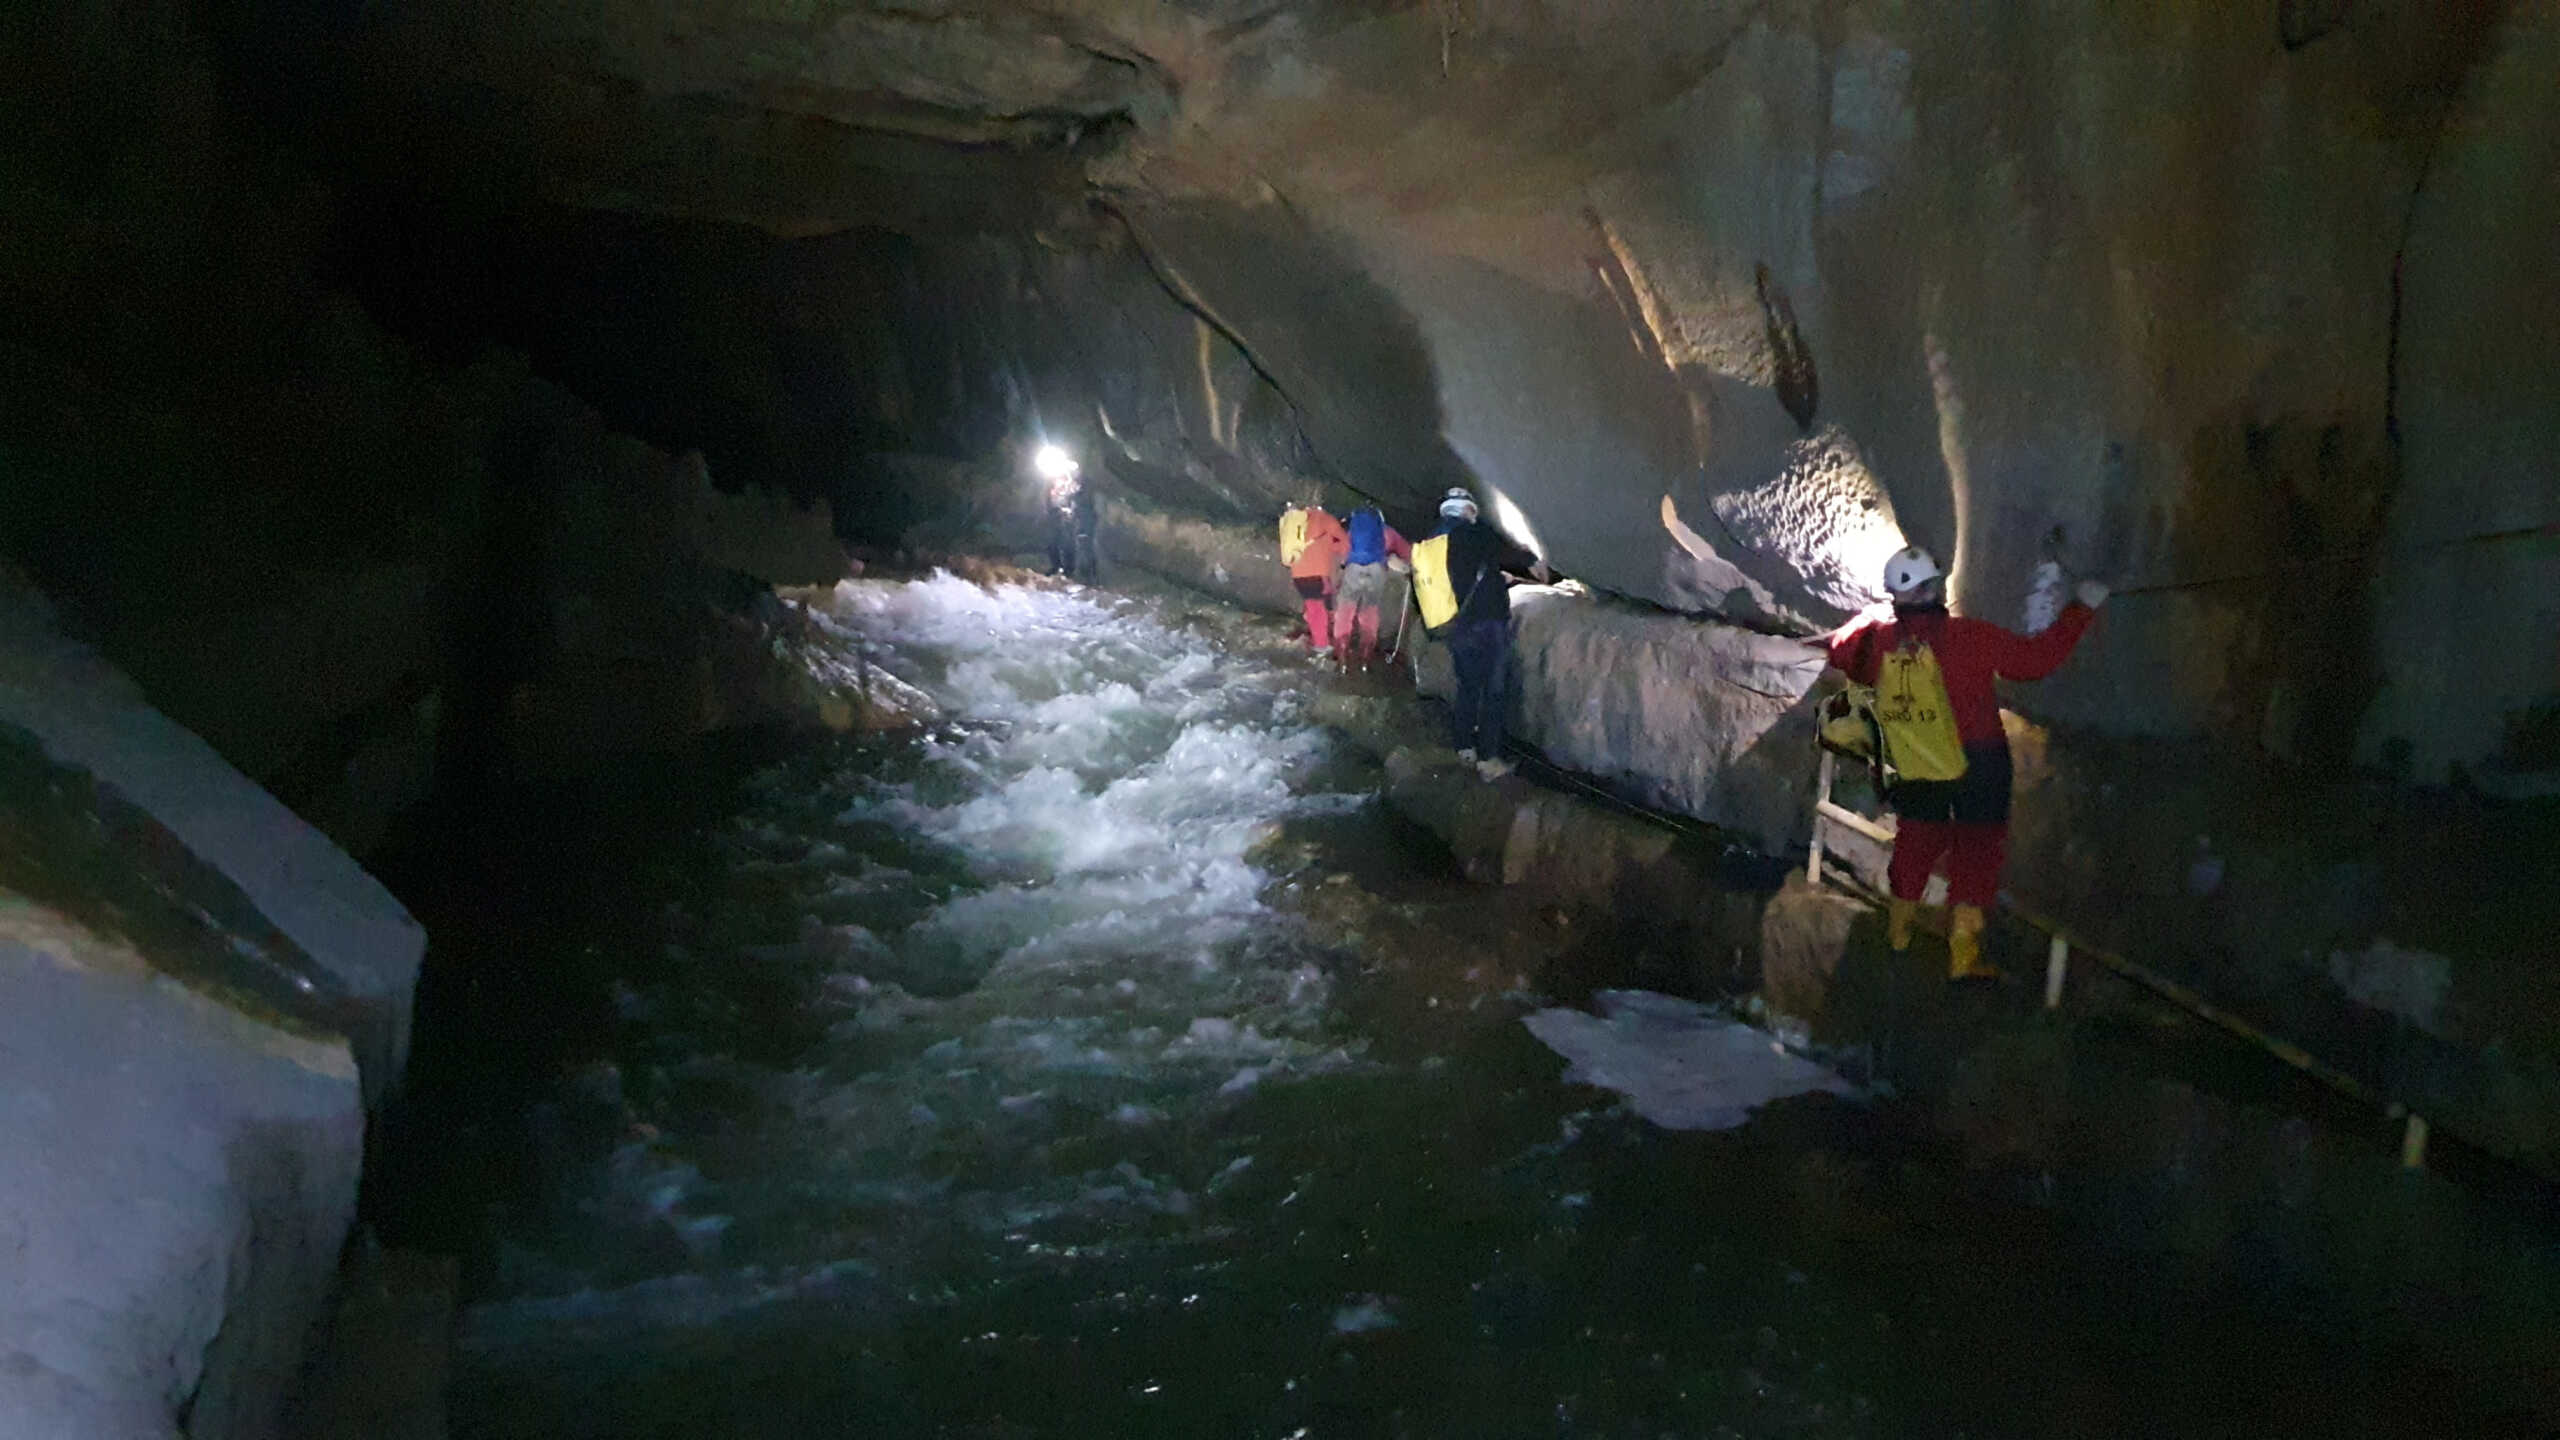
(199,996)
(420,403)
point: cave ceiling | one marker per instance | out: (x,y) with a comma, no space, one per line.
(1807,277)
(1464,126)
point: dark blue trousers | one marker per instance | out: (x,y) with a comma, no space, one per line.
(1481,651)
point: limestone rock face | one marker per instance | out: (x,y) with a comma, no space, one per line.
(200,998)
(185,1178)
(2228,299)
(1804,938)
(2474,530)
(2237,311)
(764,535)
(342,951)
(1231,561)
(644,617)
(1710,721)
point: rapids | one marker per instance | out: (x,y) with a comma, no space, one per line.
(1008,1079)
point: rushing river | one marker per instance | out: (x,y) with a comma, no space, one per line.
(984,1082)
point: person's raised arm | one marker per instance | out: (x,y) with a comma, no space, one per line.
(1851,648)
(2033,657)
(1519,560)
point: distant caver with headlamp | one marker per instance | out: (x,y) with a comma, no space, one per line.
(1071,514)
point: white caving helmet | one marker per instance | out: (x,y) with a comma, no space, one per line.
(1910,569)
(1458,504)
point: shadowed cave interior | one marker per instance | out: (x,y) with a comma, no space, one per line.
(569,870)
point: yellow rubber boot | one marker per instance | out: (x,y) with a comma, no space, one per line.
(1898,915)
(1964,946)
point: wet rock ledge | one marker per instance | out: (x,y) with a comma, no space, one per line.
(201,998)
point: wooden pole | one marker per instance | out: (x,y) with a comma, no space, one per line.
(1821,798)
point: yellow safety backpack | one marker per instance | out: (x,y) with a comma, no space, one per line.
(1431,583)
(1845,724)
(1915,720)
(1433,590)
(1293,534)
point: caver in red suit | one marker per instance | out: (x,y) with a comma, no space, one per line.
(1962,823)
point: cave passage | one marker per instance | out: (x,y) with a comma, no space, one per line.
(1009,1078)
(558,880)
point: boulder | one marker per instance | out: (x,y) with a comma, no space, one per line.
(1663,892)
(1804,939)
(184,1177)
(651,618)
(200,997)
(1696,717)
(339,938)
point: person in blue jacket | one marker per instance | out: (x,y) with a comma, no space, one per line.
(1377,552)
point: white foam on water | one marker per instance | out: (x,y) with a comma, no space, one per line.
(601,1317)
(1679,1064)
(1362,1316)
(1103,971)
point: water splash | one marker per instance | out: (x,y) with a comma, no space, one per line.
(1037,927)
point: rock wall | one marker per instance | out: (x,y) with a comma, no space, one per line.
(2474,535)
(2135,271)
(2142,272)
(320,573)
(1710,721)
(763,534)
(1234,562)
(200,998)
(631,609)
(2233,305)
(354,569)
